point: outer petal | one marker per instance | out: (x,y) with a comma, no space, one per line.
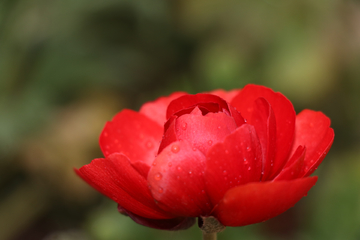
(132,134)
(258,202)
(313,131)
(294,166)
(116,178)
(176,180)
(156,110)
(284,115)
(234,162)
(226,95)
(173,224)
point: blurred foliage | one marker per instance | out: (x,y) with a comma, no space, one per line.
(66,67)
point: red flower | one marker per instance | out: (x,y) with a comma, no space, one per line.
(242,156)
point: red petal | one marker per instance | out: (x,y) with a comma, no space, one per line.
(204,131)
(233,162)
(188,101)
(116,178)
(313,131)
(258,202)
(284,116)
(176,180)
(263,120)
(173,224)
(226,95)
(294,166)
(132,134)
(156,110)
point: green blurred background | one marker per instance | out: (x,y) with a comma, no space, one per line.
(66,67)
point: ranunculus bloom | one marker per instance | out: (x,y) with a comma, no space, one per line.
(242,156)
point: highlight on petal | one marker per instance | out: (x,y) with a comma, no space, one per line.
(284,115)
(176,181)
(313,131)
(156,110)
(132,134)
(172,224)
(257,202)
(235,161)
(116,178)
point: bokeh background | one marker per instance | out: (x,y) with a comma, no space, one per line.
(66,67)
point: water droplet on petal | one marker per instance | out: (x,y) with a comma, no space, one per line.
(184,126)
(210,142)
(225,172)
(219,127)
(226,151)
(248,149)
(175,148)
(160,190)
(203,191)
(249,168)
(158,176)
(106,134)
(179,169)
(154,163)
(190,172)
(149,144)
(116,141)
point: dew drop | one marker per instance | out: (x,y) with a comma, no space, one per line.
(158,177)
(169,164)
(175,148)
(177,177)
(149,144)
(194,148)
(179,169)
(190,172)
(249,168)
(116,141)
(107,147)
(219,127)
(184,126)
(226,151)
(154,163)
(203,191)
(225,172)
(248,149)
(160,190)
(106,134)
(210,142)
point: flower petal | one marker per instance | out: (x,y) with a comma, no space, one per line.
(226,95)
(116,178)
(313,131)
(204,131)
(294,166)
(156,110)
(263,119)
(258,202)
(284,116)
(176,180)
(173,224)
(208,101)
(132,134)
(235,161)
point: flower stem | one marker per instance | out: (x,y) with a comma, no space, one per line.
(209,236)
